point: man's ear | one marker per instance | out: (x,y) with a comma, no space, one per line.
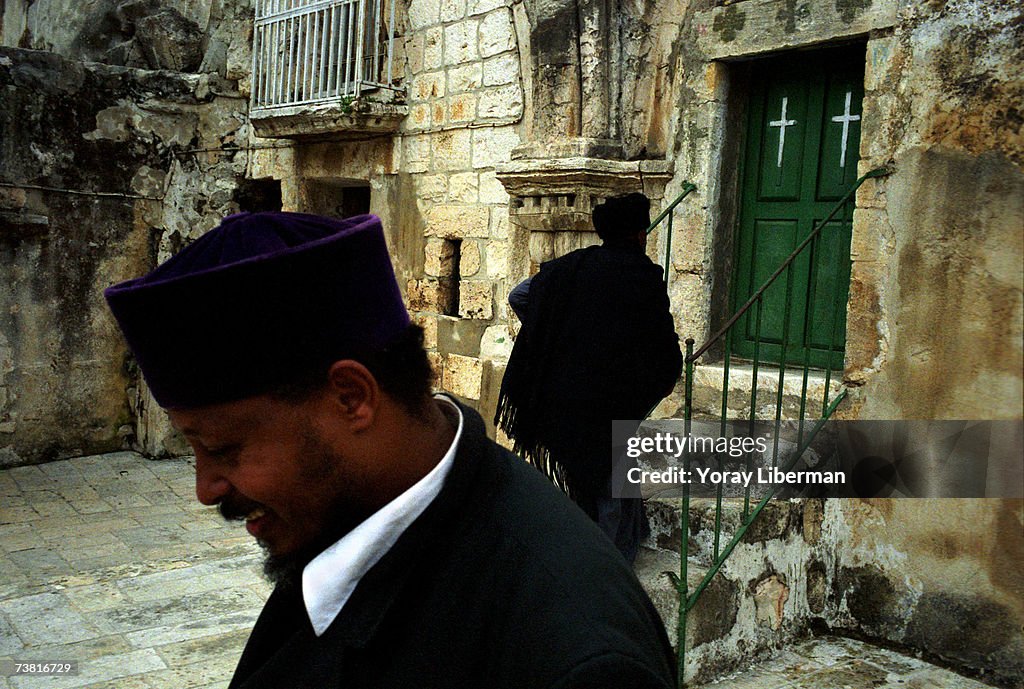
(355,391)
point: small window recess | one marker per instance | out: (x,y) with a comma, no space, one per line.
(449,278)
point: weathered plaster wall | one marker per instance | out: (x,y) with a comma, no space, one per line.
(938,248)
(101,174)
(942,576)
(936,326)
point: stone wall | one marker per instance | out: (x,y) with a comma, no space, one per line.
(200,54)
(942,234)
(934,319)
(944,577)
(466,101)
(434,184)
(205,36)
(104,169)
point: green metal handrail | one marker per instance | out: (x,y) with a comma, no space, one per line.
(687,599)
(687,188)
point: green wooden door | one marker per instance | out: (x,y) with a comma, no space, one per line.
(803,134)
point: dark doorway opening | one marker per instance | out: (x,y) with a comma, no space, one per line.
(341,198)
(258,195)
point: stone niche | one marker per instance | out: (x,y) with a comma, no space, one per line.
(552,198)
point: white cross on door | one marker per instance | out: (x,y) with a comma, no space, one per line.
(782,123)
(846,118)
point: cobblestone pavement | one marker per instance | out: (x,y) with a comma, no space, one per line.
(111,561)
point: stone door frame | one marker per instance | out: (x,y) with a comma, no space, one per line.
(709,139)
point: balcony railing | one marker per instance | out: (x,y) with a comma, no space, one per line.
(307,52)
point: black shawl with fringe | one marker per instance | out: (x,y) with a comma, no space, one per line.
(598,343)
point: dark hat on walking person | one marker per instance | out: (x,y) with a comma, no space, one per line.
(621,216)
(257,301)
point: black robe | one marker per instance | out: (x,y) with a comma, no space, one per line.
(598,344)
(500,583)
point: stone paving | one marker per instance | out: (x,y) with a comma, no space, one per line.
(834,663)
(112,562)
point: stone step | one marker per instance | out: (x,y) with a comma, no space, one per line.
(765,594)
(708,380)
(715,612)
(828,662)
(724,629)
(777,521)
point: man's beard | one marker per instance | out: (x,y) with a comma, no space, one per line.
(285,570)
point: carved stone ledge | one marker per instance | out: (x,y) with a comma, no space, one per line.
(339,120)
(558,195)
(553,198)
(594,176)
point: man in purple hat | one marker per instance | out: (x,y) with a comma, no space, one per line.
(407,548)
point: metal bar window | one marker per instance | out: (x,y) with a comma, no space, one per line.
(319,51)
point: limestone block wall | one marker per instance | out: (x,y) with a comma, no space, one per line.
(102,171)
(466,105)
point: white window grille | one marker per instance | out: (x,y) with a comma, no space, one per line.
(320,51)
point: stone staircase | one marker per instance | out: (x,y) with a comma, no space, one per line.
(763,598)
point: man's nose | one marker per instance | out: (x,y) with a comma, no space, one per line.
(211,484)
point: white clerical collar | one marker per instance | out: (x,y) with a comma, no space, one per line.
(329,580)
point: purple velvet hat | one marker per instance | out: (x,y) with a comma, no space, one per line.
(256,301)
